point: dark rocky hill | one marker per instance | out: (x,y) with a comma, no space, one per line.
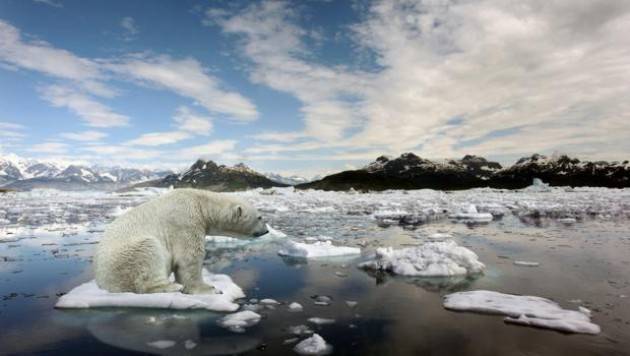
(412,172)
(208,175)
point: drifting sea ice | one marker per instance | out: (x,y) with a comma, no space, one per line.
(470,213)
(314,345)
(228,241)
(432,259)
(237,322)
(89,295)
(317,249)
(523,310)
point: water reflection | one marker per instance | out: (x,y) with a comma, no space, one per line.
(159,332)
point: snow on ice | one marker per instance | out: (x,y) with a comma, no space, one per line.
(237,322)
(89,295)
(432,259)
(523,310)
(317,249)
(314,345)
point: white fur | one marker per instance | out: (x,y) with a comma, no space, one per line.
(142,247)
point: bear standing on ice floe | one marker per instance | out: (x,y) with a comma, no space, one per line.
(141,248)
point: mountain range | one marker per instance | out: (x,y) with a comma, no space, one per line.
(24,174)
(405,172)
(412,172)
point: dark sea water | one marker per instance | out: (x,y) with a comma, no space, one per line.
(582,264)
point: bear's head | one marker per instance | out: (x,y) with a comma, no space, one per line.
(245,220)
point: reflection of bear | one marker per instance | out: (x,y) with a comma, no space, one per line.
(141,248)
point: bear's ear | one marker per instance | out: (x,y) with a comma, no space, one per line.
(239,211)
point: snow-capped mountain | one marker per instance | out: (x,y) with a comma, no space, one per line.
(290,180)
(24,174)
(209,175)
(412,172)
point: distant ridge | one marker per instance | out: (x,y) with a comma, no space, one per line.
(208,175)
(412,172)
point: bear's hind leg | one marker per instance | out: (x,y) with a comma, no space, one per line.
(149,267)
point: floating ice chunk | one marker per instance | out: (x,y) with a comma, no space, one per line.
(189,344)
(523,310)
(320,321)
(89,295)
(538,186)
(470,213)
(321,210)
(228,241)
(162,344)
(432,259)
(440,236)
(567,221)
(300,330)
(237,322)
(527,263)
(317,249)
(351,303)
(269,301)
(314,345)
(295,307)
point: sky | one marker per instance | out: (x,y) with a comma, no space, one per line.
(312,87)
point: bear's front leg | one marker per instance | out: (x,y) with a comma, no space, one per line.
(188,267)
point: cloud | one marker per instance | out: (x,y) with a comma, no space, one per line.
(42,57)
(129,24)
(159,138)
(86,136)
(557,71)
(49,147)
(92,112)
(188,78)
(279,136)
(271,39)
(209,150)
(49,3)
(10,131)
(192,122)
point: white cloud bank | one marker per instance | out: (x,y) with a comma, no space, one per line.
(502,78)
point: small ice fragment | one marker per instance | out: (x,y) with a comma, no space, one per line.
(320,321)
(440,236)
(585,311)
(300,330)
(292,340)
(314,345)
(523,310)
(162,344)
(341,274)
(567,221)
(252,307)
(471,213)
(527,263)
(189,344)
(295,307)
(351,303)
(317,249)
(432,259)
(237,322)
(269,301)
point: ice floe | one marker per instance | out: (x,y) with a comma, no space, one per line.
(237,322)
(295,307)
(317,249)
(321,321)
(314,345)
(527,263)
(470,213)
(89,295)
(432,259)
(162,344)
(523,310)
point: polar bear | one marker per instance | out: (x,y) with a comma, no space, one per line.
(141,248)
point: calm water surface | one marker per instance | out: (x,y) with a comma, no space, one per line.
(587,264)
